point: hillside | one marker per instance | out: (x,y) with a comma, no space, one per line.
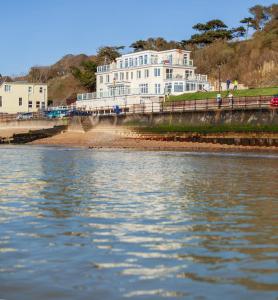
(253,62)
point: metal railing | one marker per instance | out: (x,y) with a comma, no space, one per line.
(237,103)
(186,106)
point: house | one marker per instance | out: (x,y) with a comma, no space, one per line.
(19,97)
(143,77)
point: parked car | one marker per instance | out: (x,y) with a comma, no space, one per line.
(24,116)
(274,101)
(56,114)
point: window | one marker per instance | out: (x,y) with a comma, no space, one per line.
(30,104)
(154,59)
(43,105)
(138,74)
(156,72)
(100,79)
(188,73)
(107,78)
(37,104)
(121,64)
(145,59)
(126,63)
(185,59)
(41,89)
(157,88)
(130,62)
(170,58)
(146,73)
(136,61)
(140,60)
(131,75)
(1,101)
(126,75)
(7,88)
(122,74)
(178,87)
(19,101)
(29,89)
(169,73)
(143,88)
(100,93)
(168,87)
(116,76)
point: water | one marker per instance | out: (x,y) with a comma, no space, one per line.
(86,224)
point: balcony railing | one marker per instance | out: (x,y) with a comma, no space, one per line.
(165,62)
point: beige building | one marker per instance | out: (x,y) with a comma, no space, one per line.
(19,97)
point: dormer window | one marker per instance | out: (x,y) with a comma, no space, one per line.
(7,88)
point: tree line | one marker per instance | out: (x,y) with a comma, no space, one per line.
(207,33)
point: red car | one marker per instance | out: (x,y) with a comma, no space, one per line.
(274,101)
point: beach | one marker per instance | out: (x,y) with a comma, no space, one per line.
(121,138)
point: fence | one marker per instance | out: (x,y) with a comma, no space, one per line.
(187,105)
(159,107)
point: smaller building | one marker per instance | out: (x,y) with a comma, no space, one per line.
(20,97)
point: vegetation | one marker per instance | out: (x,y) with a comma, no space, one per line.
(206,129)
(239,93)
(86,75)
(212,31)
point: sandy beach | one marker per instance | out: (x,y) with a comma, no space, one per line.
(115,137)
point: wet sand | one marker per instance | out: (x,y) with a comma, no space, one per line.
(111,137)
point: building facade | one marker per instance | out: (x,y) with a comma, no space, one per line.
(143,77)
(19,97)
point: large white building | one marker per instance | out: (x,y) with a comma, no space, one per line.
(143,77)
(18,97)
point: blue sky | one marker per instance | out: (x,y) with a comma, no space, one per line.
(39,32)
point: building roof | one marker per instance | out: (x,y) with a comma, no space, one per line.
(5,81)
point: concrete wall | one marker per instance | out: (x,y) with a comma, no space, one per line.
(214,117)
(32,124)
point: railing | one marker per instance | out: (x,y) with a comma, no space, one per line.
(238,103)
(166,62)
(186,106)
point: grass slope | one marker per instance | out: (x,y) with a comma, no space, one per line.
(268,91)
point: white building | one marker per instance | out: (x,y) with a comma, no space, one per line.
(143,77)
(18,97)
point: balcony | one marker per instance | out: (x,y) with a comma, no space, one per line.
(103,68)
(196,77)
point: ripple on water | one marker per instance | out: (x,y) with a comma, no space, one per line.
(84,224)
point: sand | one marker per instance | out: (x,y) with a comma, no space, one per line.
(115,137)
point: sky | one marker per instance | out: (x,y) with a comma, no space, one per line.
(40,32)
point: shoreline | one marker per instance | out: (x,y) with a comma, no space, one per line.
(111,138)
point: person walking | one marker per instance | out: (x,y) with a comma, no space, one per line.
(235,84)
(228,82)
(219,100)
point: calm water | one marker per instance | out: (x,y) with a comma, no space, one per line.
(86,224)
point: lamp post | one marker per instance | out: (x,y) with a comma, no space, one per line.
(219,78)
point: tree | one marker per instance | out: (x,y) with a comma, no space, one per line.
(249,24)
(209,32)
(157,44)
(260,16)
(86,74)
(238,32)
(108,54)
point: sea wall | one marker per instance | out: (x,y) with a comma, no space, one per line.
(262,116)
(33,124)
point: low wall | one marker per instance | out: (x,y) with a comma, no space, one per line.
(33,124)
(213,117)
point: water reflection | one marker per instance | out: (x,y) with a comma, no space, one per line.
(80,224)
